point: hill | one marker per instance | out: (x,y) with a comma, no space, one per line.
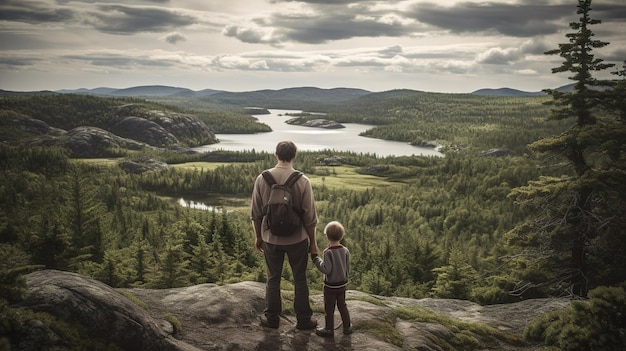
(519,93)
(140,91)
(507,92)
(285,98)
(94,126)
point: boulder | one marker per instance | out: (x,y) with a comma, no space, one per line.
(105,315)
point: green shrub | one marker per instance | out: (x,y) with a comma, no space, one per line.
(174,322)
(598,323)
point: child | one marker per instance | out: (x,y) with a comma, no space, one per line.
(336,268)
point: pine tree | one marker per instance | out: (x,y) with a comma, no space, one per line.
(575,210)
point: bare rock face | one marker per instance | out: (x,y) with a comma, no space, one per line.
(104,313)
(184,126)
(90,142)
(31,125)
(163,129)
(143,130)
(212,317)
(315,123)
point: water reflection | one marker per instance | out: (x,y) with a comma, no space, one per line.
(198,205)
(314,139)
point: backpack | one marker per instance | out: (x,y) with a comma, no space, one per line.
(281,217)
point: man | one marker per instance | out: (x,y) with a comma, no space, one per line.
(295,246)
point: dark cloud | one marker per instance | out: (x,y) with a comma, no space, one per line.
(174,38)
(33,12)
(325,29)
(339,22)
(507,19)
(609,12)
(118,61)
(118,19)
(18,61)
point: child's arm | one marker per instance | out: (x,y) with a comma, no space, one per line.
(325,266)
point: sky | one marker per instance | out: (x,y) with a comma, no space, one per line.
(245,45)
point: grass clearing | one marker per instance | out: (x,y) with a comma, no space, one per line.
(108,162)
(346,177)
(200,165)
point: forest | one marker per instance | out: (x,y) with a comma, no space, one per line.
(546,219)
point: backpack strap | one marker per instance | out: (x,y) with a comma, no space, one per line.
(293,178)
(269,178)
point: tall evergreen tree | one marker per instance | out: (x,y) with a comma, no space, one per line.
(577,208)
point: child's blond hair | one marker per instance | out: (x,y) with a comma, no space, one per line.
(334,231)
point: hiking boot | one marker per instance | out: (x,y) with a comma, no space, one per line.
(267,323)
(347,331)
(306,325)
(325,333)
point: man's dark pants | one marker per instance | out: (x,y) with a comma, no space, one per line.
(297,254)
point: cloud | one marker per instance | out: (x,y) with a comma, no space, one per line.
(118,60)
(13,62)
(118,19)
(312,26)
(473,17)
(499,56)
(251,34)
(174,38)
(34,12)
(113,19)
(253,39)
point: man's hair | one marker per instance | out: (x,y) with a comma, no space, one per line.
(286,151)
(334,231)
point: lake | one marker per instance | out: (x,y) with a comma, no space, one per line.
(314,139)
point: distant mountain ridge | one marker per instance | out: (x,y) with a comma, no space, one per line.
(264,96)
(514,92)
(506,92)
(144,90)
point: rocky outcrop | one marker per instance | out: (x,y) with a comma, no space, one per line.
(377,169)
(143,130)
(315,123)
(185,127)
(163,129)
(212,317)
(103,314)
(90,142)
(333,161)
(31,125)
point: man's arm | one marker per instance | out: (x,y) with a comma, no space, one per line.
(257,223)
(312,240)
